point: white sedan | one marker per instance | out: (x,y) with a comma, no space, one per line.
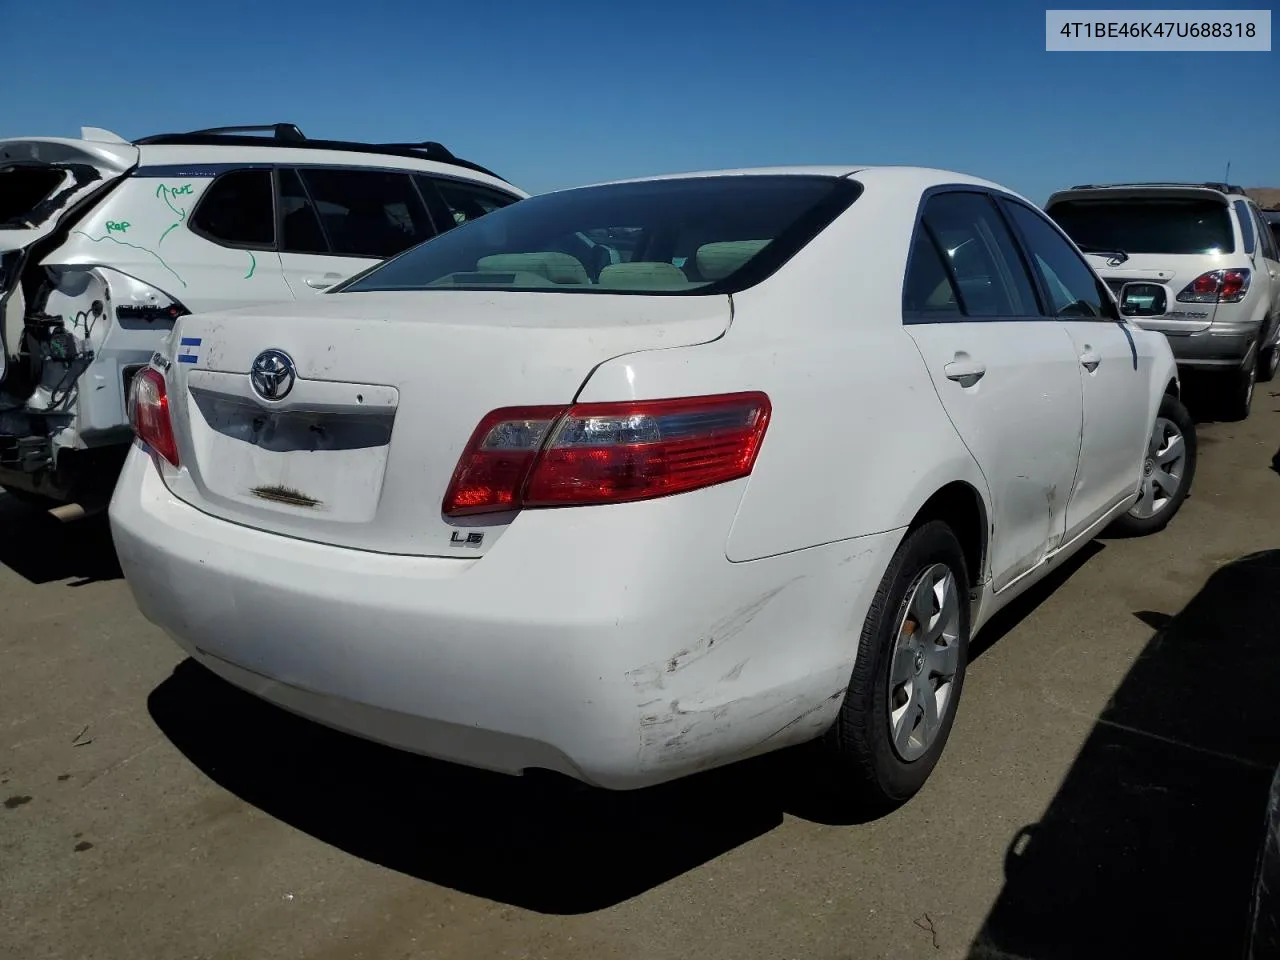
(754,481)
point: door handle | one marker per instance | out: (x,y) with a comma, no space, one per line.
(319,283)
(965,372)
(1090,360)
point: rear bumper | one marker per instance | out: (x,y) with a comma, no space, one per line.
(619,646)
(1213,349)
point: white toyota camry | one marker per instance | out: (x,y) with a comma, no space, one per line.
(634,480)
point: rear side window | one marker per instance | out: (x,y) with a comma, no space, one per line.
(236,211)
(366,213)
(679,236)
(1173,225)
(928,293)
(980,255)
(463,201)
(1246,226)
(1070,283)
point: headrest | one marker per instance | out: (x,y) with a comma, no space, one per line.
(717,260)
(555,266)
(643,274)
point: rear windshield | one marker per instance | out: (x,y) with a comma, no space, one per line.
(22,192)
(1157,225)
(679,236)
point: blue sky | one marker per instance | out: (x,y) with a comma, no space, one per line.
(555,94)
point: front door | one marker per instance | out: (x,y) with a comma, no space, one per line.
(1006,376)
(1113,379)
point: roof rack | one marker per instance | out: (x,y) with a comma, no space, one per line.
(289,134)
(1222,187)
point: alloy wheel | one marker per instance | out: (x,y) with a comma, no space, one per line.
(1162,470)
(926,656)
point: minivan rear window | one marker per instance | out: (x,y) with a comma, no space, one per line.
(1173,225)
(22,190)
(695,235)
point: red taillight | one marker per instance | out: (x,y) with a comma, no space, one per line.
(1206,283)
(149,414)
(1216,286)
(606,452)
(497,459)
(1234,285)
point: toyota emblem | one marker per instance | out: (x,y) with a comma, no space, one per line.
(272,374)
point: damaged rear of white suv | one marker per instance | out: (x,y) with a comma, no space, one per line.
(104,243)
(53,314)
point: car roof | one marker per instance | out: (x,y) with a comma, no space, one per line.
(1171,188)
(274,144)
(879,176)
(196,155)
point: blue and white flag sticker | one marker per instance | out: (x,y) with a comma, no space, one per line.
(189,350)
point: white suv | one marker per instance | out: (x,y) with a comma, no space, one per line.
(1195,261)
(104,243)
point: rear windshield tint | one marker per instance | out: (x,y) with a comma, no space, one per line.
(680,236)
(22,192)
(1158,225)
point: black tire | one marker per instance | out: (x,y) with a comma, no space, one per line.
(1268,362)
(1239,396)
(860,761)
(1263,936)
(1171,409)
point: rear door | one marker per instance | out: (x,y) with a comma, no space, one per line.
(1006,376)
(336,222)
(211,243)
(1113,380)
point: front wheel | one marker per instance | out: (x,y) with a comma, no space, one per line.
(910,667)
(1167,470)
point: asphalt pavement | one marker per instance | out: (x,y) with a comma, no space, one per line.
(1102,794)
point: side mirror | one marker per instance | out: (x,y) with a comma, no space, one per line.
(1140,299)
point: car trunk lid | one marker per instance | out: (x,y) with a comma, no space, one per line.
(388,389)
(1163,276)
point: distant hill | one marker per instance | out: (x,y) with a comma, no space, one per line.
(1268,198)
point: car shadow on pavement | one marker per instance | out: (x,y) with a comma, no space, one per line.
(1149,847)
(540,843)
(44,550)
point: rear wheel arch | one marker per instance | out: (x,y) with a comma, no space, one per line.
(960,506)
